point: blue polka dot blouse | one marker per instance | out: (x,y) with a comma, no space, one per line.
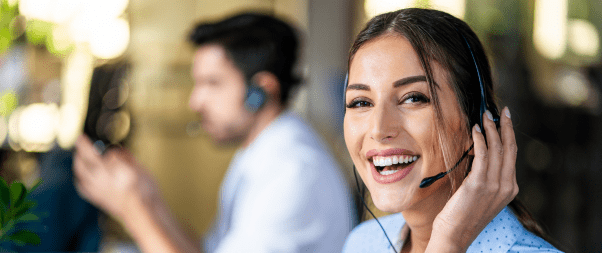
(503,234)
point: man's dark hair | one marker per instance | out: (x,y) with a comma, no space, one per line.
(255,43)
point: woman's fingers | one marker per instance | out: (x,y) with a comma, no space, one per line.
(494,147)
(508,173)
(494,162)
(479,164)
(500,175)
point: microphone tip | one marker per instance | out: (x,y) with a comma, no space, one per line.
(426,182)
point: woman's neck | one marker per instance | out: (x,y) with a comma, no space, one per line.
(421,216)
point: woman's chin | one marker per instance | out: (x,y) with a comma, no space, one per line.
(395,197)
(389,204)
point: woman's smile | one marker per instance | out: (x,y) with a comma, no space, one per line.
(390,165)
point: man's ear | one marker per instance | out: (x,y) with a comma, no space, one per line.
(269,83)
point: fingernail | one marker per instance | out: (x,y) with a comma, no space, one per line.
(477,128)
(507,112)
(489,115)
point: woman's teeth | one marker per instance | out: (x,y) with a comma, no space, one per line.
(388,172)
(381,161)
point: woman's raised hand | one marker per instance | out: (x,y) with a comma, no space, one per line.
(488,188)
(111,181)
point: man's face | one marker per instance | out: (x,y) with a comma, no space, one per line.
(218,96)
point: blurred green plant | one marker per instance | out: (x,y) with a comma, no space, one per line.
(423,4)
(16,208)
(37,31)
(8,103)
(8,13)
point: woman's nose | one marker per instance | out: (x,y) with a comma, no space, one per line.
(384,124)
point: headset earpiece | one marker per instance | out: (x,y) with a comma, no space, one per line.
(255,97)
(484,105)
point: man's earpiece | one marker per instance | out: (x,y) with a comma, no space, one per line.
(255,97)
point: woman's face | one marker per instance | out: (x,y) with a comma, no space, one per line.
(390,124)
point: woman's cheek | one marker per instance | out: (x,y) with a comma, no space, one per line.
(353,140)
(352,134)
(350,126)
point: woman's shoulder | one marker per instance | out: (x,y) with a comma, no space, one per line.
(505,233)
(369,237)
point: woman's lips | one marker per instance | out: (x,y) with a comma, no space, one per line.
(392,178)
(388,152)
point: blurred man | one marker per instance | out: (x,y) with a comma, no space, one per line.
(283,191)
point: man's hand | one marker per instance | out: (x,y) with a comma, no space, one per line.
(111,181)
(115,183)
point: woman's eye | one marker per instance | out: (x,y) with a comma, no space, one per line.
(414,98)
(358,103)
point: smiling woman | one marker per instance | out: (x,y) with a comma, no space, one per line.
(417,79)
(398,107)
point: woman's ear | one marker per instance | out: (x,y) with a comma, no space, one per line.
(269,83)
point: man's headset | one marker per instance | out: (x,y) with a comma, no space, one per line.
(430,180)
(255,97)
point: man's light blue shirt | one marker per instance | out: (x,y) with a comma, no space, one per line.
(503,234)
(282,193)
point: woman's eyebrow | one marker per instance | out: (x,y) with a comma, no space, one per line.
(398,83)
(408,80)
(358,87)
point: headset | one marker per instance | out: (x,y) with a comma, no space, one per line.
(430,180)
(255,97)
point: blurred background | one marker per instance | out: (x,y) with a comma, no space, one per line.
(119,70)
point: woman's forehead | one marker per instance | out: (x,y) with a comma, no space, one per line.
(386,50)
(390,58)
